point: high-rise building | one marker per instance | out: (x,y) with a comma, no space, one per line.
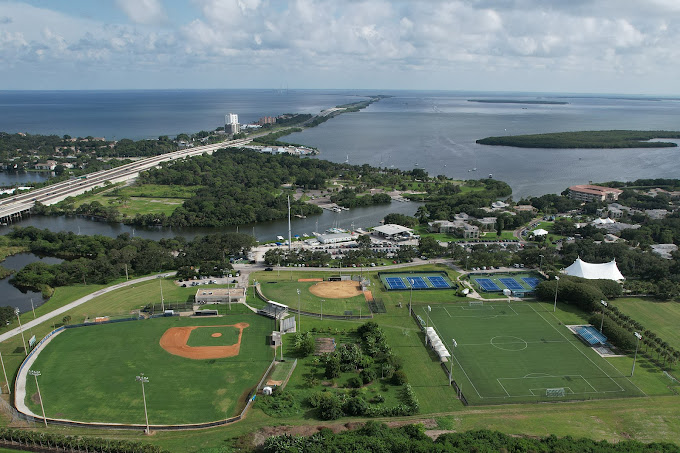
(231,125)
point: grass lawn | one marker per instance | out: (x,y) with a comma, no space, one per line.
(662,318)
(88,373)
(146,199)
(530,352)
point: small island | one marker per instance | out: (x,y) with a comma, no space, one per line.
(517,101)
(586,139)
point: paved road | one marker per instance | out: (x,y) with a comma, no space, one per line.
(75,303)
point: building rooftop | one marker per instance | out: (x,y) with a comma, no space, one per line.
(594,190)
(391,229)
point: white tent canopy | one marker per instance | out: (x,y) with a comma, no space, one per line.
(608,271)
(539,232)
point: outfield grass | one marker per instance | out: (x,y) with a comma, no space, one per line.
(662,318)
(530,352)
(88,373)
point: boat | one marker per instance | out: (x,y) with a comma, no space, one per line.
(280,238)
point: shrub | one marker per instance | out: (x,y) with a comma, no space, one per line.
(355,406)
(355,382)
(399,378)
(330,407)
(367,375)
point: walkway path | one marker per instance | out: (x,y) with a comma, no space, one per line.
(75,303)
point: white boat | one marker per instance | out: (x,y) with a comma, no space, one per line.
(280,238)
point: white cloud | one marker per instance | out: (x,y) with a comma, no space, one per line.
(362,41)
(143,11)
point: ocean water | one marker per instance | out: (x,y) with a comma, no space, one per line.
(413,129)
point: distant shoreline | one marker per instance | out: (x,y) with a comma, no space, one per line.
(586,139)
(517,101)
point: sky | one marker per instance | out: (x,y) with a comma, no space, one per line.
(569,46)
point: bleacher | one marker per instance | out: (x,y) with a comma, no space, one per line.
(591,335)
(273,310)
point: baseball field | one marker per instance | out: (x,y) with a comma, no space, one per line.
(199,369)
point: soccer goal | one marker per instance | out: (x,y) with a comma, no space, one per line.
(476,303)
(555,393)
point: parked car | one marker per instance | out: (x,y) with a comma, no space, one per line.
(268,269)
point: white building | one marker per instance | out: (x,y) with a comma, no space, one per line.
(231,125)
(394,232)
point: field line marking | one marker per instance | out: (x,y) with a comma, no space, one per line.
(447,312)
(584,354)
(502,386)
(434,326)
(587,382)
(616,369)
(513,310)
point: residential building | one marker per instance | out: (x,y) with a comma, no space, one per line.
(589,192)
(231,125)
(456,227)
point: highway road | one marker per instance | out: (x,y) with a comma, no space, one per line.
(55,193)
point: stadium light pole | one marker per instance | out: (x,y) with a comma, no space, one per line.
(639,337)
(466,261)
(557,280)
(298,291)
(604,304)
(4,372)
(141,378)
(16,312)
(35,374)
(410,300)
(160,280)
(322,300)
(33,308)
(540,266)
(427,318)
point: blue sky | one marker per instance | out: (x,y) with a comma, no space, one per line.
(613,46)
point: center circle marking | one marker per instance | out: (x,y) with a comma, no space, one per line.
(509,343)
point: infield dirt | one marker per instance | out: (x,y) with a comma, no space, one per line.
(336,290)
(174,340)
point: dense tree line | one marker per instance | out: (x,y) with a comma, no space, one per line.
(349,198)
(101,259)
(444,207)
(585,139)
(401,219)
(377,437)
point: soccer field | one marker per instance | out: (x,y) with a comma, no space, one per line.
(519,352)
(88,373)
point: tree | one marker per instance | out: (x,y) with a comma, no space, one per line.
(500,224)
(364,241)
(66,319)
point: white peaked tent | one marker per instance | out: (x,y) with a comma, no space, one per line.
(540,232)
(608,271)
(606,221)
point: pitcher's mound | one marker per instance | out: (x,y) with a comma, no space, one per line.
(336,290)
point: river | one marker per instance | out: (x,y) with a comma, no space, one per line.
(364,217)
(12,296)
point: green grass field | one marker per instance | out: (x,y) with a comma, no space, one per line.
(662,318)
(284,290)
(510,353)
(88,373)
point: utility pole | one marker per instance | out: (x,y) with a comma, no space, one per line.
(16,312)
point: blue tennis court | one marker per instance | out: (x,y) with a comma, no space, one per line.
(591,335)
(531,281)
(417,282)
(487,284)
(511,283)
(438,282)
(395,282)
